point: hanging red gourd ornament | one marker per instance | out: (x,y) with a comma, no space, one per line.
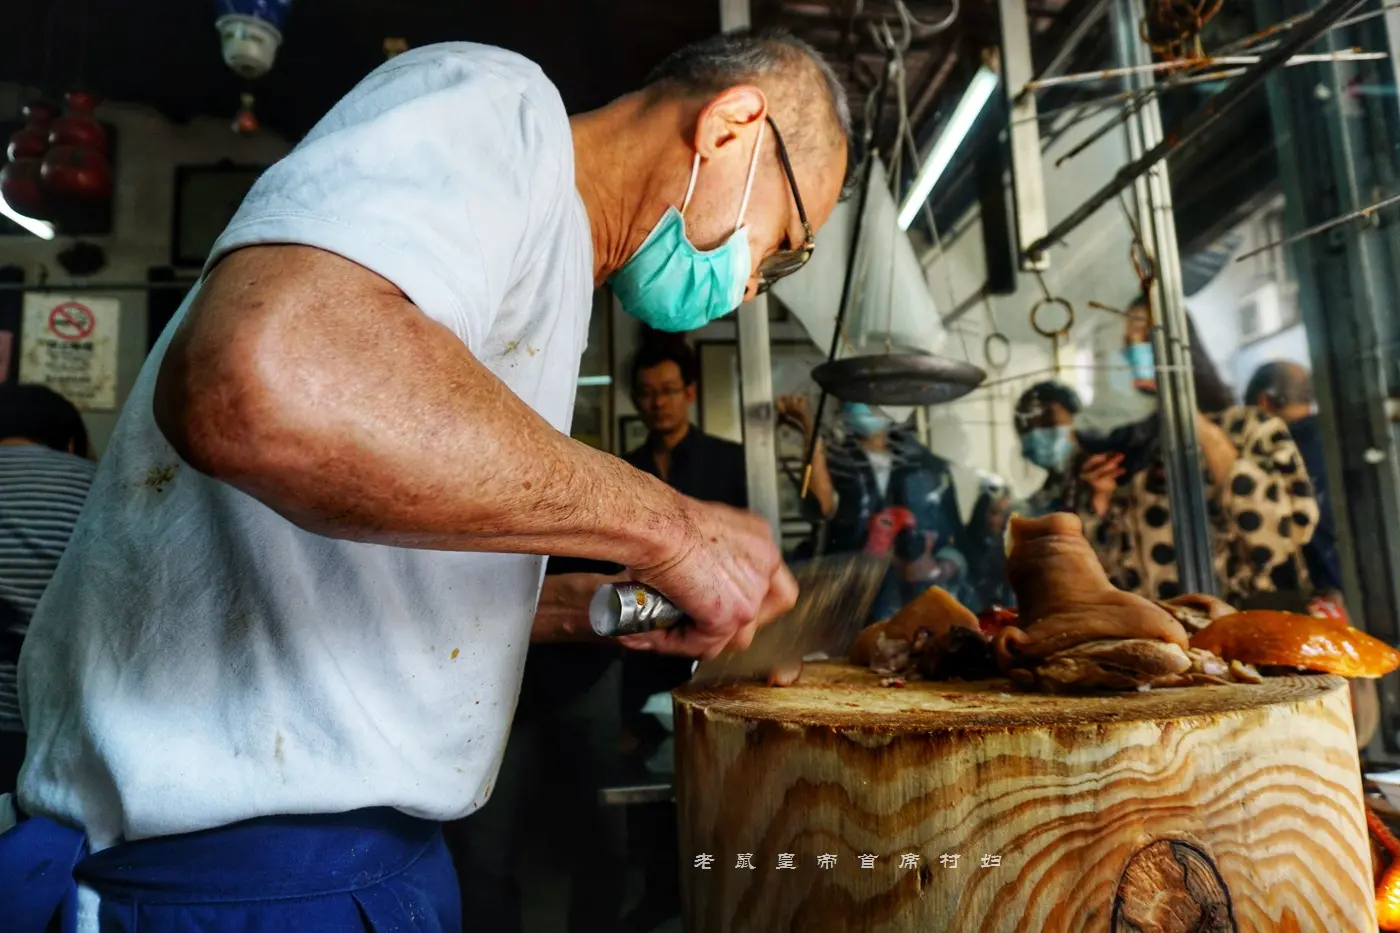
(20,182)
(76,169)
(78,127)
(32,140)
(245,123)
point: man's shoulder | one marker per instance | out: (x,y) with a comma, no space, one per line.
(474,88)
(431,67)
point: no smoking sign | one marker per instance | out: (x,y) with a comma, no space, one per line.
(71,321)
(69,343)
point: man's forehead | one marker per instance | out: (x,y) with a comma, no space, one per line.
(665,371)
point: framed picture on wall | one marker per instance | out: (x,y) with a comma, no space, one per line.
(718,398)
(206,198)
(721,412)
(631,433)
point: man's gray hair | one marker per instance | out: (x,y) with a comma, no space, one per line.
(713,64)
(1283,381)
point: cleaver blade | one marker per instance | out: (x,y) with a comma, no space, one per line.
(833,603)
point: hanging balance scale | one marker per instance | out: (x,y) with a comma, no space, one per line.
(898,378)
(899,375)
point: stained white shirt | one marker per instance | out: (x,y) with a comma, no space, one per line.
(200,660)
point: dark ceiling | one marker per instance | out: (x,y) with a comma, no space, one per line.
(166,53)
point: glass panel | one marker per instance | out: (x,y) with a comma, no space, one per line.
(593,404)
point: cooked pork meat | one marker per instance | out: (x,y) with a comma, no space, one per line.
(1065,598)
(1196,610)
(1112,664)
(956,654)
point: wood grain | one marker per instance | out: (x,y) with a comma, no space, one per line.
(1261,781)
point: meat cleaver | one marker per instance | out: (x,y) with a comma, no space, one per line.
(833,604)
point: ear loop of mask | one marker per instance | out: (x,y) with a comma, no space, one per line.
(748,184)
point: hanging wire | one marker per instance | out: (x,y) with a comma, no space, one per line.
(1188,75)
(922,30)
(994,337)
(1363,213)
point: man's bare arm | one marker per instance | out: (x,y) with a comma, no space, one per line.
(315,386)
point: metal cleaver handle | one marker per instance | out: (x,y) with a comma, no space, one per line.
(630,609)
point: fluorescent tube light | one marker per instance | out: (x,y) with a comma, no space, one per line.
(946,145)
(39,228)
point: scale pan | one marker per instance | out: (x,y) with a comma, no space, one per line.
(898,379)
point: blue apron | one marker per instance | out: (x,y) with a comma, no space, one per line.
(376,870)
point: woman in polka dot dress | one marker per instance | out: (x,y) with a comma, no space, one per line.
(1261,505)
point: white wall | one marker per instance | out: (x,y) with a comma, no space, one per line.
(976,433)
(148,150)
(1216,308)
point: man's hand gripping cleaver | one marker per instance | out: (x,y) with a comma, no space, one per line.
(834,598)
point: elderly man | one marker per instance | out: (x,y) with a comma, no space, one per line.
(286,641)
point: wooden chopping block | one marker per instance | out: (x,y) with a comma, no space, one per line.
(1193,810)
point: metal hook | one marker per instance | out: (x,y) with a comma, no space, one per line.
(996,338)
(1057,334)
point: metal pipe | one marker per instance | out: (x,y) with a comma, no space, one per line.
(1176,391)
(1081,28)
(1191,132)
(1105,74)
(756,367)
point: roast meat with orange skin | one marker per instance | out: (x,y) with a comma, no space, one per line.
(1267,638)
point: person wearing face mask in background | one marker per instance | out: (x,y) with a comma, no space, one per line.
(365,509)
(1260,503)
(1045,423)
(891,497)
(1044,418)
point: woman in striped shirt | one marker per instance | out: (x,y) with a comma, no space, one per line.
(45,472)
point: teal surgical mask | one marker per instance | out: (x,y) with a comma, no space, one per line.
(1141,363)
(1048,448)
(865,421)
(670,285)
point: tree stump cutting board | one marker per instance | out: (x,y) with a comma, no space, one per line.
(839,804)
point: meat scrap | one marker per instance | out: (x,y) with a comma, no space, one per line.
(957,654)
(1195,611)
(951,647)
(933,635)
(891,655)
(1112,664)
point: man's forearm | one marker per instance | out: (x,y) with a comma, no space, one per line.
(379,425)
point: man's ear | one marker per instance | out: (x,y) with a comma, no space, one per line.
(690,394)
(727,117)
